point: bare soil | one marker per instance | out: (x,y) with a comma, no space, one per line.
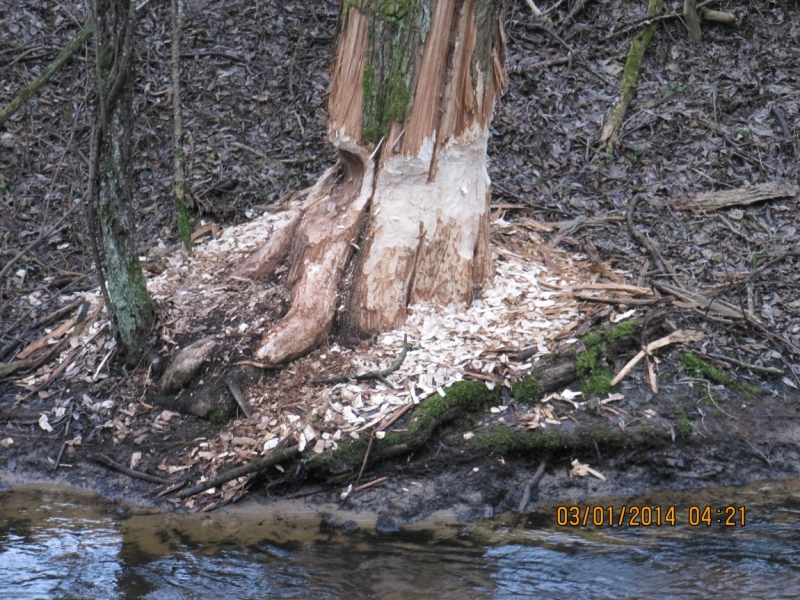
(257,73)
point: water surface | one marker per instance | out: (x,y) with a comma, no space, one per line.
(58,543)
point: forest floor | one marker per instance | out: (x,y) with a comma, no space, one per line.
(585,241)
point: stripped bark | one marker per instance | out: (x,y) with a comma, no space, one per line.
(413,91)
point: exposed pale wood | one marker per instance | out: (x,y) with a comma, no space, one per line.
(265,261)
(711,201)
(682,336)
(718,16)
(319,254)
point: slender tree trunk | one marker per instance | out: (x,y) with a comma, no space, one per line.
(177,127)
(414,87)
(129,304)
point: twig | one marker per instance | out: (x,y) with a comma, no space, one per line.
(379,375)
(251,150)
(749,443)
(664,265)
(258,365)
(35,325)
(626,301)
(531,485)
(616,287)
(102,458)
(680,336)
(369,484)
(733,361)
(366,456)
(172,488)
(260,464)
(572,52)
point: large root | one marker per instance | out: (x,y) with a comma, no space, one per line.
(318,244)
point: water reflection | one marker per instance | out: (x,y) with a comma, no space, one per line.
(55,544)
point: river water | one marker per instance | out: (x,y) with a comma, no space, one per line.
(58,543)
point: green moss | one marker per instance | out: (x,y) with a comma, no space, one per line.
(685,428)
(700,368)
(590,364)
(587,361)
(598,382)
(604,434)
(468,396)
(506,440)
(527,390)
(622,331)
(388,66)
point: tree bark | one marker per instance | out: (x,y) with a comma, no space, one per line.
(692,20)
(184,232)
(414,86)
(129,304)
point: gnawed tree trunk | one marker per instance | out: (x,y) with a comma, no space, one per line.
(128,302)
(414,87)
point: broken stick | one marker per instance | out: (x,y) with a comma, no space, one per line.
(681,336)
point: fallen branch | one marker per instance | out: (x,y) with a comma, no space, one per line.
(616,287)
(34,243)
(379,375)
(711,201)
(625,301)
(656,19)
(720,307)
(718,16)
(681,336)
(275,457)
(630,76)
(31,363)
(71,47)
(739,363)
(369,484)
(103,459)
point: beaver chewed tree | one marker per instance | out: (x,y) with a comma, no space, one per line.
(414,86)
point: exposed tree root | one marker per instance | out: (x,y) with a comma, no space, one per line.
(379,375)
(318,243)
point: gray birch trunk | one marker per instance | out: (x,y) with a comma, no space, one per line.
(129,304)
